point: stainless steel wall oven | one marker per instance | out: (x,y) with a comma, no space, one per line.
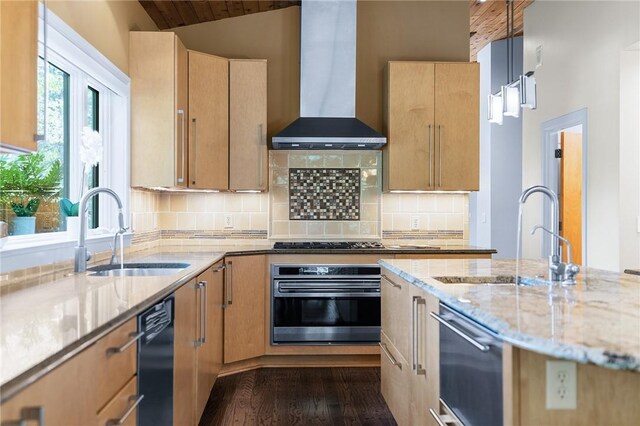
(325,304)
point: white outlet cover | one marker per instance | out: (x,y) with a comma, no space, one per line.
(228,221)
(415,223)
(561,385)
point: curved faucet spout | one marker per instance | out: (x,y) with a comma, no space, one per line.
(554,213)
(81,250)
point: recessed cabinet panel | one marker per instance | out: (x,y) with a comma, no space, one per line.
(457,126)
(248,152)
(18,75)
(208,121)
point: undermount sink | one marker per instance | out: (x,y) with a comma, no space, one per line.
(137,269)
(495,280)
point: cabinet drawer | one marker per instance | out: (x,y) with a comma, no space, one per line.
(395,374)
(117,355)
(122,407)
(396,311)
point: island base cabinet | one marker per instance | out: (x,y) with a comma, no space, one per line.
(395,375)
(604,396)
(184,355)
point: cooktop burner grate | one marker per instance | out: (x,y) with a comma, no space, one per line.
(327,245)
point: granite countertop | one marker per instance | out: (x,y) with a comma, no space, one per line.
(596,321)
(48,319)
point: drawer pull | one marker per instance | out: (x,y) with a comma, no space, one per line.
(134,339)
(437,417)
(388,354)
(220,269)
(28,414)
(123,419)
(384,277)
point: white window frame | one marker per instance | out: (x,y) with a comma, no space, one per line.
(86,66)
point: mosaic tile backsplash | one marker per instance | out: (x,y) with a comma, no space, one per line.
(324,194)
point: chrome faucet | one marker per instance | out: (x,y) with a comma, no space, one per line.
(567,271)
(82,255)
(554,257)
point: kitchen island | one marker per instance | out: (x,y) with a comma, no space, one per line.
(595,323)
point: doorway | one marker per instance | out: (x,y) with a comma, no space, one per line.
(564,164)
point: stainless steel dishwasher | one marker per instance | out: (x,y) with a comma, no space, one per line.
(470,370)
(155,364)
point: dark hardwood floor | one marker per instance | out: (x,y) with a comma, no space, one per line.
(298,396)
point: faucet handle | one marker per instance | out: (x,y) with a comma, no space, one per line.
(88,255)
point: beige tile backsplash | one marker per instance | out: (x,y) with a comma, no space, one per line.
(381,215)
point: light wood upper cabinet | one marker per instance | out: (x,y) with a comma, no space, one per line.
(432,121)
(208,121)
(244,325)
(18,75)
(457,115)
(248,155)
(184,355)
(158,67)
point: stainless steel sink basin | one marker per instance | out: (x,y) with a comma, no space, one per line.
(495,279)
(137,269)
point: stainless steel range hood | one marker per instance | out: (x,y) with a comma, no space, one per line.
(328,82)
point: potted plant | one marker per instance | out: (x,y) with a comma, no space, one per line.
(25,181)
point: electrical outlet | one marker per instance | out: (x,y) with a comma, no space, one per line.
(415,223)
(539,56)
(561,385)
(228,220)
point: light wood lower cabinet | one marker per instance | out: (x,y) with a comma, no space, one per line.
(244,324)
(184,355)
(395,380)
(96,385)
(405,314)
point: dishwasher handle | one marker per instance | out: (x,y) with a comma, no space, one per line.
(475,343)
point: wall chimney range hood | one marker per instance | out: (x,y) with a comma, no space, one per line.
(328,82)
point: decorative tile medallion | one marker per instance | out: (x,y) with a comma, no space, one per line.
(324,194)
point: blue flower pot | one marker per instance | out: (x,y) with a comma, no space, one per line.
(24,225)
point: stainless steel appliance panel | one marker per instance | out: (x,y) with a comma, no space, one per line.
(470,369)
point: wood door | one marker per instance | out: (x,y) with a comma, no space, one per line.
(248,154)
(457,120)
(395,308)
(395,381)
(18,75)
(408,156)
(244,322)
(216,318)
(181,107)
(184,356)
(116,409)
(418,357)
(208,121)
(66,396)
(571,194)
(156,124)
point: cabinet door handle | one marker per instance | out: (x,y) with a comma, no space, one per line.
(388,354)
(416,367)
(260,171)
(388,280)
(437,417)
(123,418)
(219,269)
(199,287)
(430,156)
(134,338)
(182,150)
(439,156)
(228,285)
(194,145)
(206,312)
(28,414)
(471,340)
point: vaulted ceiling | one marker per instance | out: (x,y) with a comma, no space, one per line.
(177,13)
(488,22)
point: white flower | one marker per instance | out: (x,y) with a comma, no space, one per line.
(90,147)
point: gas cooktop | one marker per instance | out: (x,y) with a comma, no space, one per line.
(327,245)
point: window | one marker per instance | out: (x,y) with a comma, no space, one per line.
(83,89)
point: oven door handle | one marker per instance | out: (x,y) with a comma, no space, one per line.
(456,330)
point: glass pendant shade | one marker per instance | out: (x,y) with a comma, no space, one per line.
(495,108)
(528,97)
(511,99)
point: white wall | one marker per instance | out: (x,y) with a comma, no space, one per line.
(582,42)
(630,158)
(494,209)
